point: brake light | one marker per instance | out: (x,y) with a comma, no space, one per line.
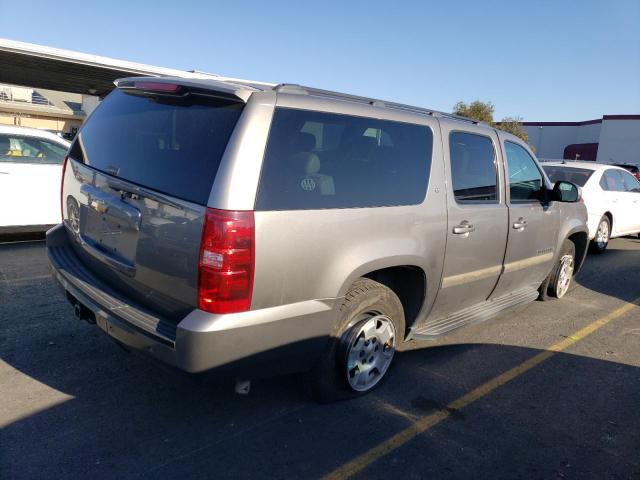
(226,263)
(64,169)
(157,87)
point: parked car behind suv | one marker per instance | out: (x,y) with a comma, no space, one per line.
(30,169)
(220,226)
(611,194)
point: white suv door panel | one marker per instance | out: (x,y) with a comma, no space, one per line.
(632,200)
(616,202)
(30,174)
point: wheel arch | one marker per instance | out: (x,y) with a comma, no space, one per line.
(409,283)
(609,215)
(407,280)
(580,239)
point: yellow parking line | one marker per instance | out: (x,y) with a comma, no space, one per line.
(423,424)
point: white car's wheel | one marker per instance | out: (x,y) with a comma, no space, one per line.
(603,234)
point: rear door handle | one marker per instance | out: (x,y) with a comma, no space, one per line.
(520,224)
(464,228)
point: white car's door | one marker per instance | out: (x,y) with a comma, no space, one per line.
(616,201)
(632,197)
(30,172)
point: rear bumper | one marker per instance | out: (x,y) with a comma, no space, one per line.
(281,339)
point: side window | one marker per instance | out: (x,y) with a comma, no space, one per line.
(51,153)
(612,181)
(630,182)
(19,149)
(324,160)
(473,168)
(525,179)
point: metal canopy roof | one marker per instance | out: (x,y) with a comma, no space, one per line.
(38,66)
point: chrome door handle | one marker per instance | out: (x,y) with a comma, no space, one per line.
(520,224)
(464,228)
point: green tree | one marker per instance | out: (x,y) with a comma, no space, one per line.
(483,112)
(477,110)
(513,125)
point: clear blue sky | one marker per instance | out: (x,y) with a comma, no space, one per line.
(548,60)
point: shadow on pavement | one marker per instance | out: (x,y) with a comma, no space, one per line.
(626,283)
(572,415)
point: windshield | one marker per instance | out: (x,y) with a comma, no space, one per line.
(577,176)
(173,145)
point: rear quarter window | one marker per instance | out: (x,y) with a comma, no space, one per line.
(318,160)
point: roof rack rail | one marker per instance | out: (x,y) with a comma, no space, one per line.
(302,90)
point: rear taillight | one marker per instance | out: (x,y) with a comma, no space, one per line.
(225,267)
(64,169)
(638,175)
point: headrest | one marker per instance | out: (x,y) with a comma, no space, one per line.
(305,162)
(303,142)
(313,164)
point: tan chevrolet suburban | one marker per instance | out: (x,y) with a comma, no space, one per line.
(226,226)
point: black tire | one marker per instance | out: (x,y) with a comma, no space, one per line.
(543,290)
(599,247)
(551,287)
(327,381)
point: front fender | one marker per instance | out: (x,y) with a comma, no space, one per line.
(573,221)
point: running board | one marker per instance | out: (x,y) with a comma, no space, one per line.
(475,314)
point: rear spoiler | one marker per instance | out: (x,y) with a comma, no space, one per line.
(177,86)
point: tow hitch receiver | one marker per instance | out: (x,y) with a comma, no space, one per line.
(83,313)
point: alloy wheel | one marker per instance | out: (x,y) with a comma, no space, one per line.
(602,234)
(565,275)
(370,351)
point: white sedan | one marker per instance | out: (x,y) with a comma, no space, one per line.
(30,172)
(611,194)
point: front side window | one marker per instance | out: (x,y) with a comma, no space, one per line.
(21,149)
(473,168)
(630,182)
(611,181)
(525,179)
(319,160)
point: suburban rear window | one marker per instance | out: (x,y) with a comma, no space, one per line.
(320,160)
(577,176)
(171,145)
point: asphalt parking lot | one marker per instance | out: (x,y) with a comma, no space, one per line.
(75,405)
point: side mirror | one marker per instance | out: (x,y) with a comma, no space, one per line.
(566,192)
